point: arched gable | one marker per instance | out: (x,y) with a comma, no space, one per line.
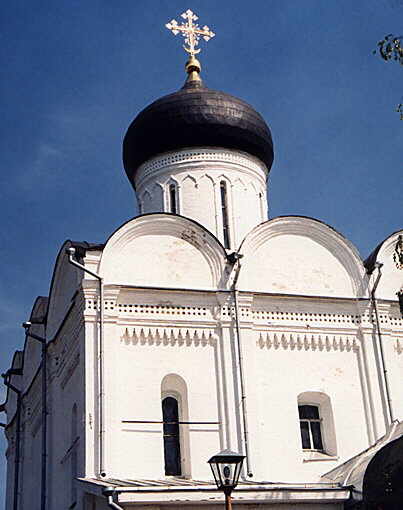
(65,281)
(32,353)
(16,381)
(298,255)
(163,250)
(386,253)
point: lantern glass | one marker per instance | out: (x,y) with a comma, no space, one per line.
(226,467)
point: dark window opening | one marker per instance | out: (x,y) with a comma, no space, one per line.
(310,425)
(400,297)
(224,211)
(172,199)
(172,454)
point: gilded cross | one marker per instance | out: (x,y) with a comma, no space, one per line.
(190,31)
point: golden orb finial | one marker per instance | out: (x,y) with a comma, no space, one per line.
(193,69)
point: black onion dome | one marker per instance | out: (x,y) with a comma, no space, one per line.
(195,116)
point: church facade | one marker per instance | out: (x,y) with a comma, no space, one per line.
(201,325)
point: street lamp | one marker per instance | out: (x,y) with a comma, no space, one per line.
(226,467)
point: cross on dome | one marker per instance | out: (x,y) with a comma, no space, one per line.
(190,31)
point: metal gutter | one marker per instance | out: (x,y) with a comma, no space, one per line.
(236,257)
(109,493)
(378,266)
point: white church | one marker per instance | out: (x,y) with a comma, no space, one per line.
(202,325)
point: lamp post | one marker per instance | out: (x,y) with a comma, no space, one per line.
(226,467)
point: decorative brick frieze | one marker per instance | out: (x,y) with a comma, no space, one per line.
(185,157)
(308,342)
(168,336)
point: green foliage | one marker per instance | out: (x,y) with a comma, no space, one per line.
(390,48)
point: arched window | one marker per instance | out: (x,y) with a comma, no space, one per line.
(224,213)
(316,424)
(173,205)
(263,213)
(175,412)
(172,453)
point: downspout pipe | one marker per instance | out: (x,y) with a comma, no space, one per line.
(7,382)
(71,252)
(234,258)
(378,266)
(109,493)
(26,326)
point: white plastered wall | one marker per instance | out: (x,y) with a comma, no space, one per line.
(291,345)
(390,318)
(137,367)
(392,275)
(66,279)
(197,174)
(296,255)
(144,346)
(168,251)
(66,390)
(283,373)
(163,251)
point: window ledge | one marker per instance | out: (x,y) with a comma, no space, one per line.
(177,477)
(318,457)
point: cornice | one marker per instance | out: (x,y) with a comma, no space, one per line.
(127,308)
(202,158)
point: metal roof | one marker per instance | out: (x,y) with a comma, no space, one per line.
(178,483)
(351,472)
(180,491)
(196,116)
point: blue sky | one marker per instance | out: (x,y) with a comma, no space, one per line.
(76,73)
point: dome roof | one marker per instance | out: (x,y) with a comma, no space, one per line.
(195,116)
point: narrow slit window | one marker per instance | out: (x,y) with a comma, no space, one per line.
(172,199)
(400,298)
(172,454)
(310,425)
(224,211)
